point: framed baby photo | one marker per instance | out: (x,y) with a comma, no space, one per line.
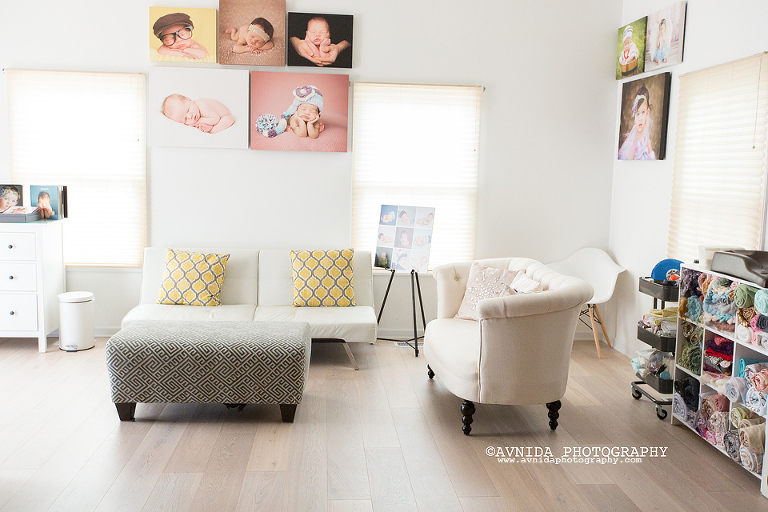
(252,32)
(664,37)
(630,52)
(49,197)
(198,108)
(11,195)
(180,34)
(299,111)
(644,117)
(323,40)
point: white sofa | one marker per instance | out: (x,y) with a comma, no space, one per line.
(258,286)
(520,350)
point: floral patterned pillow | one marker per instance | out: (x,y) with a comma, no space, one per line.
(484,283)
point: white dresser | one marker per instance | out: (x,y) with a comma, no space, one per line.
(31,278)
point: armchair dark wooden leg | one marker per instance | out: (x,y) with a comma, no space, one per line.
(430,373)
(126,410)
(288,412)
(467,410)
(553,414)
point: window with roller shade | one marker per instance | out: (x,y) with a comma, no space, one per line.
(85,131)
(417,145)
(719,179)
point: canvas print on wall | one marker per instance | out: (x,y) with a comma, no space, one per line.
(664,37)
(320,39)
(299,111)
(405,237)
(630,53)
(11,195)
(252,32)
(200,108)
(644,115)
(179,34)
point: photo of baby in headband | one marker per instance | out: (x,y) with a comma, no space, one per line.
(182,35)
(644,115)
(299,111)
(252,32)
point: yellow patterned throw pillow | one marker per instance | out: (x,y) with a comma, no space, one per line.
(322,278)
(192,279)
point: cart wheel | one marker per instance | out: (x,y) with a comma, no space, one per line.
(661,413)
(636,394)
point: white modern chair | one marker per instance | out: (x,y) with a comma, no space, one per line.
(598,269)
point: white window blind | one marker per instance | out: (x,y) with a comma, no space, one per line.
(719,180)
(85,131)
(417,145)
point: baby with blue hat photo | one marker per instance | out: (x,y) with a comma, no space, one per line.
(301,118)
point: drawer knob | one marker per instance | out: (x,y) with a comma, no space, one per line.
(10,246)
(13,313)
(10,277)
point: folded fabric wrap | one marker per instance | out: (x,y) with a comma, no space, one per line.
(761,302)
(718,422)
(753,437)
(744,296)
(732,444)
(736,388)
(755,401)
(759,380)
(750,460)
(739,412)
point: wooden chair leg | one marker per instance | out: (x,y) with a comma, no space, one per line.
(287,412)
(594,332)
(602,326)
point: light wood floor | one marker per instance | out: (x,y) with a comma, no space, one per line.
(382,438)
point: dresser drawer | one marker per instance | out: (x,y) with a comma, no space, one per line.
(18,312)
(18,277)
(17,246)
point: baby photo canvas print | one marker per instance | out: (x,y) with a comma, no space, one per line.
(299,111)
(182,35)
(198,108)
(630,53)
(664,37)
(323,40)
(252,32)
(644,115)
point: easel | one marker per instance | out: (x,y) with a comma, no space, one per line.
(414,288)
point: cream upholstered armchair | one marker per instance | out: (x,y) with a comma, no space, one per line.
(519,352)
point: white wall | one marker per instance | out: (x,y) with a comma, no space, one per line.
(716,32)
(546,134)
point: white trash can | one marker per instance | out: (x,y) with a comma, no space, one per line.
(76,321)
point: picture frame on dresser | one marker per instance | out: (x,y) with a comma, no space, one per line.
(31,278)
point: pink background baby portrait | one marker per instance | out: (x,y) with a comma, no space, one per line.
(272,93)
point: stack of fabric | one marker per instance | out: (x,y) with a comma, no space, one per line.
(689,356)
(661,322)
(652,361)
(718,355)
(711,421)
(755,373)
(718,305)
(752,443)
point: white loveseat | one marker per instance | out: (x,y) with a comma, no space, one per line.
(258,286)
(520,350)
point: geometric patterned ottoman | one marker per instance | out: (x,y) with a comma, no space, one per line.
(209,362)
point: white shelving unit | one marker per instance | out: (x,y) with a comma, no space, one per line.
(741,350)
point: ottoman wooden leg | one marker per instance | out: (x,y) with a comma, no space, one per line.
(288,411)
(126,410)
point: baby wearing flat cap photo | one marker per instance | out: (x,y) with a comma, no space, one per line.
(175,32)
